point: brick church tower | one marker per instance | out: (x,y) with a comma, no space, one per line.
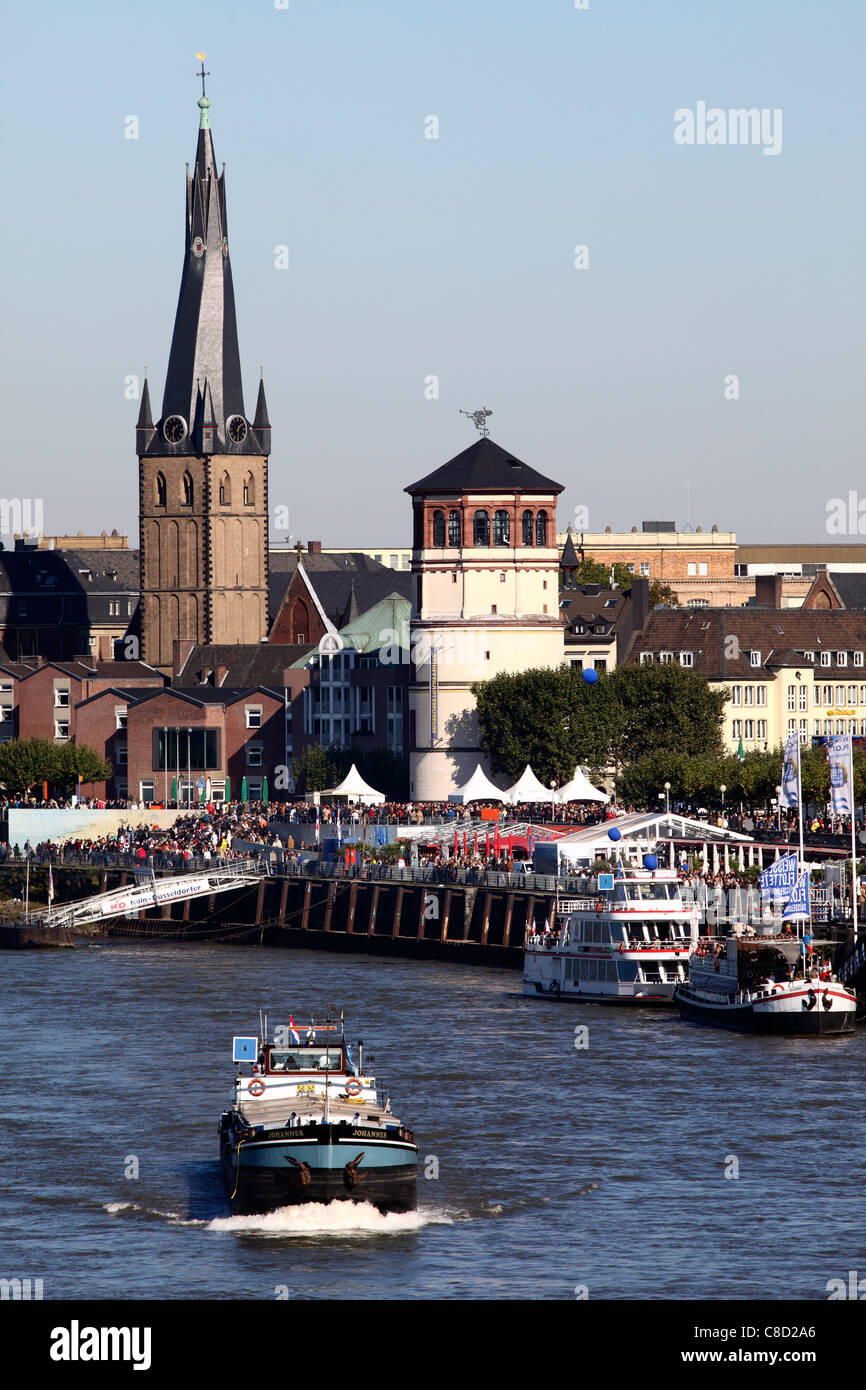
(203,465)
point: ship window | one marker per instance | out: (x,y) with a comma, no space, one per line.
(306,1059)
(627,970)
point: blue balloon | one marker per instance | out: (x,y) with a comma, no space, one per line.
(614,833)
(650,861)
(590,676)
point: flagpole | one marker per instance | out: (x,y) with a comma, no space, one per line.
(803,868)
(853,836)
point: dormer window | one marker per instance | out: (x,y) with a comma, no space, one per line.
(841,658)
(826,658)
(687,658)
(756,658)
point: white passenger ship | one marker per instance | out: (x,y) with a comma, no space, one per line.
(628,943)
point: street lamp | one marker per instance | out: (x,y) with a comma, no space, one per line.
(723,789)
(779,806)
(189,768)
(552,799)
(668,798)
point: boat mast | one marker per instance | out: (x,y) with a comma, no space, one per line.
(803,868)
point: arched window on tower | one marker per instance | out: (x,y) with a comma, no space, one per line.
(187,490)
(541,528)
(225,490)
(160,489)
(249,491)
(454,528)
(438,529)
(501,527)
(481,530)
(527,528)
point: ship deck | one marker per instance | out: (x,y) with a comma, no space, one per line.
(261,1111)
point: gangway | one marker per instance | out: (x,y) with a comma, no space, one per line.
(155,893)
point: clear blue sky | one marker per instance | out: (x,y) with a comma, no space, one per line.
(454,257)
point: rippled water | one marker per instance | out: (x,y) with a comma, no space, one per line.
(558,1167)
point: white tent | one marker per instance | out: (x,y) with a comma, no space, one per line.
(478,788)
(528,788)
(580,789)
(354,788)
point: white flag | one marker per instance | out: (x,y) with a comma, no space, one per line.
(839,758)
(790,796)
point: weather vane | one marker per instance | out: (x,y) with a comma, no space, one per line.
(479,419)
(202,74)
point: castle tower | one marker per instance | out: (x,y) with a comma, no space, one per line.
(486,600)
(203,465)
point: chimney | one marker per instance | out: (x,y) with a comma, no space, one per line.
(314,547)
(768,591)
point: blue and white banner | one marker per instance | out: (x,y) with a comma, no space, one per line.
(790,795)
(798,903)
(779,880)
(839,758)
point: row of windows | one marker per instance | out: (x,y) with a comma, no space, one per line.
(533,528)
(745,728)
(188,489)
(667,658)
(749,695)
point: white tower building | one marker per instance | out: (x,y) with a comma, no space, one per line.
(485,568)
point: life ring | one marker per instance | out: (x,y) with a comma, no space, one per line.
(256,1087)
(599,907)
(353,1088)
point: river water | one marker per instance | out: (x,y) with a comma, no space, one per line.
(598,1169)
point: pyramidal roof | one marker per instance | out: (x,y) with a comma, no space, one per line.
(485,466)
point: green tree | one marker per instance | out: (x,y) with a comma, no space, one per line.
(591,571)
(662,593)
(666,708)
(551,719)
(76,759)
(26,762)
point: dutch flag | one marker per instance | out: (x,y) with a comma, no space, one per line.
(294,1032)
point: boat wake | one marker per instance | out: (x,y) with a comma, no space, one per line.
(330,1219)
(116,1208)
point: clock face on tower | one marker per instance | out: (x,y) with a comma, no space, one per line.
(237,429)
(174,429)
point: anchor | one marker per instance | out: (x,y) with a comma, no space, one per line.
(351,1176)
(303,1176)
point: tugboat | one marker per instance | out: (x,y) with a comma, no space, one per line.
(756,984)
(308,1125)
(627,944)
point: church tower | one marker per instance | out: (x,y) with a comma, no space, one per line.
(203,465)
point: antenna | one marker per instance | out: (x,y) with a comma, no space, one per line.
(479,419)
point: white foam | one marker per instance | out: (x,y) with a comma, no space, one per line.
(331,1219)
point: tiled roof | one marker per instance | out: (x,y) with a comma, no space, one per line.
(722,639)
(484,466)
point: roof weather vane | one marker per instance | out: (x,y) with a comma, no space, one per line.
(202,74)
(479,419)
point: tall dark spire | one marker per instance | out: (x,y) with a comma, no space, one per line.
(204,345)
